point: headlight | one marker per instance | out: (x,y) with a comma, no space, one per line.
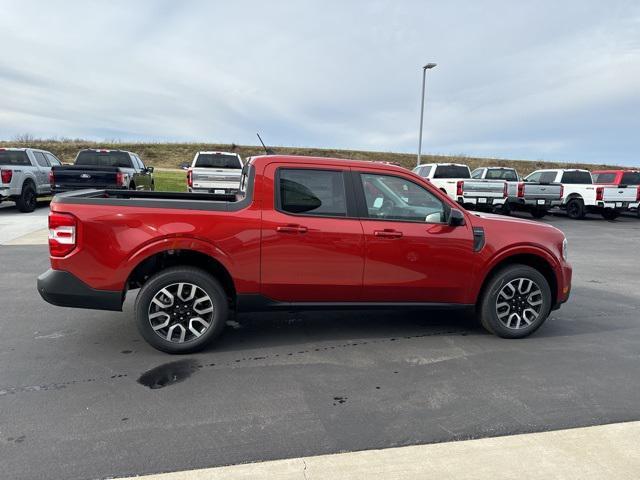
(565,246)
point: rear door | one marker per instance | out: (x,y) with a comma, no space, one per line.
(312,242)
(412,254)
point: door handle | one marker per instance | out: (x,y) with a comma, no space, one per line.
(387,233)
(291,229)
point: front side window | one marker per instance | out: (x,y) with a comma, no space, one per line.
(534,177)
(396,198)
(476,173)
(603,177)
(312,192)
(52,160)
(577,177)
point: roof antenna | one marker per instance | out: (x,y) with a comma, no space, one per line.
(268,151)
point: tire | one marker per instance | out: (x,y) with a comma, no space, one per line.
(153,186)
(610,214)
(28,199)
(172,333)
(504,209)
(575,209)
(521,314)
(132,186)
(538,212)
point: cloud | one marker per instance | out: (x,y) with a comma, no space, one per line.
(543,80)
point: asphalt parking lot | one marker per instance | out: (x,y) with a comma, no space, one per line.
(82,396)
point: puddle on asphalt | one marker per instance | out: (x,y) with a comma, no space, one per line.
(168,374)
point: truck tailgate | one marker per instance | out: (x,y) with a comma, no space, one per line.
(71,177)
(538,191)
(213,177)
(620,194)
(484,188)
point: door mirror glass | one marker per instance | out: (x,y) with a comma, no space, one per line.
(150,169)
(456,218)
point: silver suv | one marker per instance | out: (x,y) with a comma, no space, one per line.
(24,176)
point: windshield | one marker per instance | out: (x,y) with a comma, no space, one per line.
(452,171)
(603,177)
(14,157)
(217,160)
(507,174)
(104,159)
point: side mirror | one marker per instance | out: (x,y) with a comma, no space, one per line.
(150,169)
(456,218)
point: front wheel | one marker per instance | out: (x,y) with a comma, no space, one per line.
(610,214)
(538,212)
(181,310)
(515,302)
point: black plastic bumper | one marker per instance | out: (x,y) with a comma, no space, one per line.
(66,290)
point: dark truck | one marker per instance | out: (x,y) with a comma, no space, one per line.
(102,169)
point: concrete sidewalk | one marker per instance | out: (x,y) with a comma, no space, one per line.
(600,452)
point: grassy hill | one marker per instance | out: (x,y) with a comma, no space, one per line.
(171,155)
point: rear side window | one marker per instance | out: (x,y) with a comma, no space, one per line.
(547,177)
(312,192)
(14,157)
(104,159)
(40,159)
(630,178)
(502,174)
(217,160)
(451,171)
(577,177)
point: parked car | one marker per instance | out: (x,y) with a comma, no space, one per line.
(536,196)
(624,180)
(24,176)
(455,180)
(580,196)
(304,233)
(102,169)
(215,172)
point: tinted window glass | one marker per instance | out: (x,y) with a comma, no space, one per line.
(52,160)
(576,177)
(104,159)
(502,174)
(14,157)
(312,192)
(547,177)
(630,178)
(40,159)
(603,177)
(395,198)
(217,160)
(451,171)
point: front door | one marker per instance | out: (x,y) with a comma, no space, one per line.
(312,244)
(412,254)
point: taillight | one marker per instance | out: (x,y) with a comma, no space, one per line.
(6,175)
(599,194)
(52,177)
(459,187)
(505,191)
(561,191)
(189,178)
(120,179)
(638,194)
(521,190)
(62,234)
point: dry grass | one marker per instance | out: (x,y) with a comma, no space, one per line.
(171,155)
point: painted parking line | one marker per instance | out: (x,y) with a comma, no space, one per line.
(605,451)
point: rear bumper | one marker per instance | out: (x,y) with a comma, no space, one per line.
(66,290)
(535,202)
(482,201)
(619,206)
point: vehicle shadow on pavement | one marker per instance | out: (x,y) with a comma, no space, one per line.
(9,208)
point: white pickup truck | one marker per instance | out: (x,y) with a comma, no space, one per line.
(537,195)
(215,172)
(580,195)
(455,180)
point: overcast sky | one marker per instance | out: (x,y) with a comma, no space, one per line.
(554,80)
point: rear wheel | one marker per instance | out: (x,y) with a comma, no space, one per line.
(181,310)
(575,209)
(538,212)
(515,302)
(28,199)
(610,214)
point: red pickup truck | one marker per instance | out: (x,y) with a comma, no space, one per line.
(301,233)
(626,180)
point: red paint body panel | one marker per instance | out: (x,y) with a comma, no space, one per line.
(335,260)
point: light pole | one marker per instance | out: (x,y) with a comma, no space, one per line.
(428,66)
